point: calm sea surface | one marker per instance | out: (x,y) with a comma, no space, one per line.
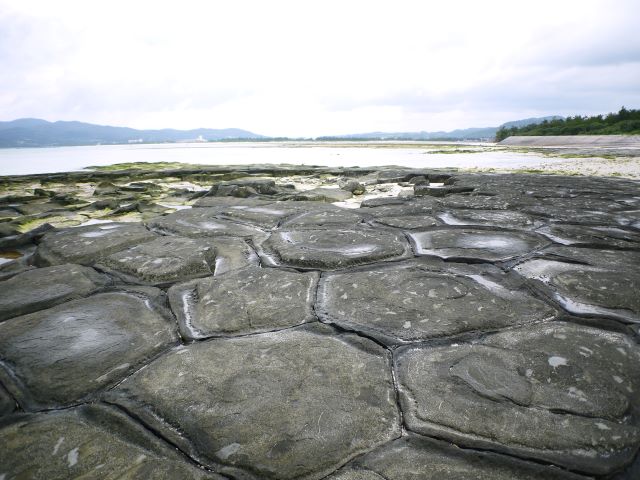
(20,161)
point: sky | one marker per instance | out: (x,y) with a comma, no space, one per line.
(311,68)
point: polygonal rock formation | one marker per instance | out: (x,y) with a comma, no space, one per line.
(292,404)
(245,301)
(560,393)
(87,245)
(495,218)
(330,249)
(88,442)
(605,289)
(324,215)
(45,287)
(476,245)
(201,222)
(604,237)
(162,261)
(67,353)
(418,300)
(413,457)
(409,222)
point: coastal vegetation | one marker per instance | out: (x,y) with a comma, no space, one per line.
(625,122)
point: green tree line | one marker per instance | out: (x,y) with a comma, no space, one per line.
(625,122)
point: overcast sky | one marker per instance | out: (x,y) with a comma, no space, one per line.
(308,68)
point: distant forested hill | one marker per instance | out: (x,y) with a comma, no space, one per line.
(625,122)
(33,132)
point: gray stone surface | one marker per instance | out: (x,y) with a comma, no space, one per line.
(201,222)
(292,404)
(325,215)
(494,218)
(321,342)
(560,393)
(474,244)
(250,300)
(163,261)
(87,245)
(418,458)
(66,353)
(333,248)
(41,288)
(414,301)
(609,291)
(7,403)
(409,222)
(603,237)
(88,443)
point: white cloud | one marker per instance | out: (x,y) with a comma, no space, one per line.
(313,68)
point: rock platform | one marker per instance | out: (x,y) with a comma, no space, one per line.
(455,326)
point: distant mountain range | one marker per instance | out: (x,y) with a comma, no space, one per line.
(478,133)
(33,132)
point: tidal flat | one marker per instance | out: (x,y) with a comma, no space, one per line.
(178,320)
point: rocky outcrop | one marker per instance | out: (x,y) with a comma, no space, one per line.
(488,332)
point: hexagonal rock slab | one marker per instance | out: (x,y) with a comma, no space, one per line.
(245,301)
(413,457)
(162,261)
(88,442)
(561,393)
(605,237)
(87,245)
(494,218)
(475,244)
(67,353)
(45,287)
(588,290)
(409,222)
(292,404)
(201,222)
(418,300)
(324,215)
(265,216)
(331,249)
(482,202)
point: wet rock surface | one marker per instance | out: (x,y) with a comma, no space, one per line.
(164,260)
(69,352)
(479,245)
(512,391)
(419,300)
(328,249)
(88,442)
(485,328)
(245,301)
(87,245)
(415,457)
(45,287)
(336,402)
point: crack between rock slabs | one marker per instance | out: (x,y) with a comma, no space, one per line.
(158,435)
(148,362)
(507,454)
